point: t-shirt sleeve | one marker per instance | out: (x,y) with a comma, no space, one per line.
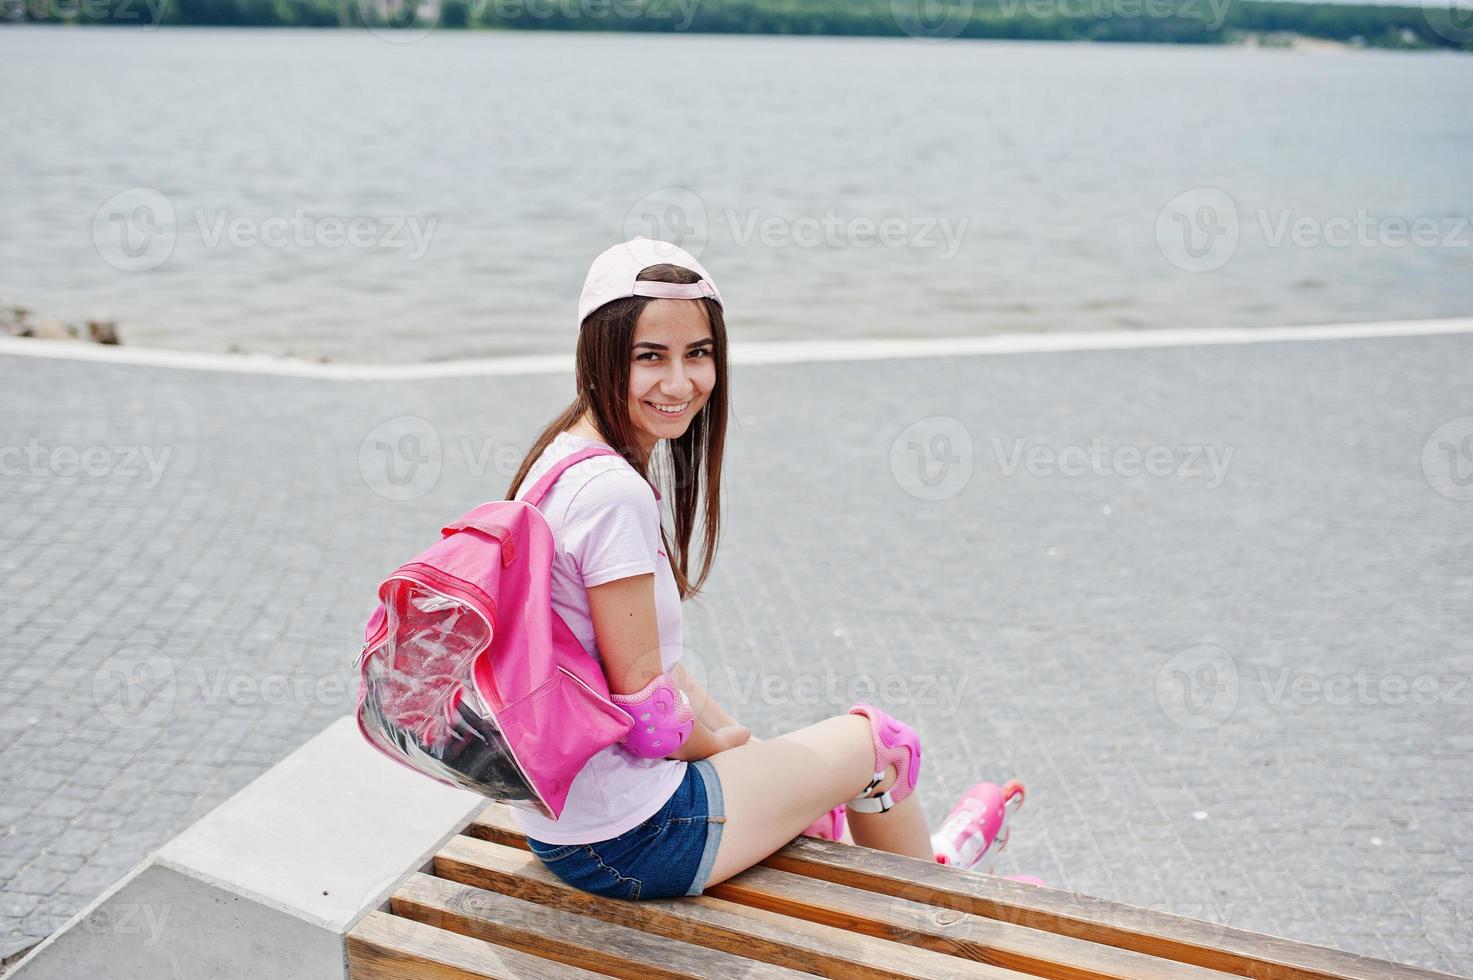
(612,528)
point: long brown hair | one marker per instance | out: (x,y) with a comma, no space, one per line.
(688,470)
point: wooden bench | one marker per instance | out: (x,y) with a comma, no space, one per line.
(486,907)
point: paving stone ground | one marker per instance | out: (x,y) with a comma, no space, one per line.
(1241,695)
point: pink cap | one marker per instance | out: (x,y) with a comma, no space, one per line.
(612,275)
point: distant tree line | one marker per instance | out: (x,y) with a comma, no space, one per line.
(1165,21)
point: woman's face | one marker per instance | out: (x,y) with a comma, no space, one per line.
(672,366)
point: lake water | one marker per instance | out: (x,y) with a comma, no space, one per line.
(330,193)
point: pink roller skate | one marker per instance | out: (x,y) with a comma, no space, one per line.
(976,829)
(830,826)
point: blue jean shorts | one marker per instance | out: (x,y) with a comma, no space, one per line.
(670,854)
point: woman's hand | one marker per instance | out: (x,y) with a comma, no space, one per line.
(702,742)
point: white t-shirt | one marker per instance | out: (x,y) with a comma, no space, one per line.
(606,524)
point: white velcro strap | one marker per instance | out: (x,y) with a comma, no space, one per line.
(864,803)
(871,804)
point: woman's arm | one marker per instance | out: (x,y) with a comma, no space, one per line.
(701,701)
(628,635)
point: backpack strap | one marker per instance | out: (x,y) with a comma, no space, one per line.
(540,489)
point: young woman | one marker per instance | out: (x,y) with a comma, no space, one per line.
(711,800)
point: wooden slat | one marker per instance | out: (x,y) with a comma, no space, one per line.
(947,931)
(1079,917)
(1206,944)
(567,937)
(943,930)
(751,932)
(385,947)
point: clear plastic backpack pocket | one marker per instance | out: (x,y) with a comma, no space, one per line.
(418,700)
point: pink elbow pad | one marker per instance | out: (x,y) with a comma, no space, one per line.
(662,718)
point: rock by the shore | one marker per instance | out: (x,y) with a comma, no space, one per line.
(17,321)
(52,328)
(103,331)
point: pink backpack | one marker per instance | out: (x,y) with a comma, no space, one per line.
(467,673)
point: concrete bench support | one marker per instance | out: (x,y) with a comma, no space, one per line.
(269,882)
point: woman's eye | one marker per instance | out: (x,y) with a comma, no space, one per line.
(651,355)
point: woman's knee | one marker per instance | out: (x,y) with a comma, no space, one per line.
(889,738)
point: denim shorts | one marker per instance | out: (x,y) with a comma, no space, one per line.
(670,854)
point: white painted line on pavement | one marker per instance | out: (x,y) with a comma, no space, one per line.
(742,352)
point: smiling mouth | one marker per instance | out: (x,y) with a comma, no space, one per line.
(663,413)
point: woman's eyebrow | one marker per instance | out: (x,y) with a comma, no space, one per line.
(654,346)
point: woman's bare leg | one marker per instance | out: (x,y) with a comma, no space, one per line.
(775,788)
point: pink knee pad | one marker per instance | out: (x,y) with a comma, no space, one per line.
(662,717)
(897,744)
